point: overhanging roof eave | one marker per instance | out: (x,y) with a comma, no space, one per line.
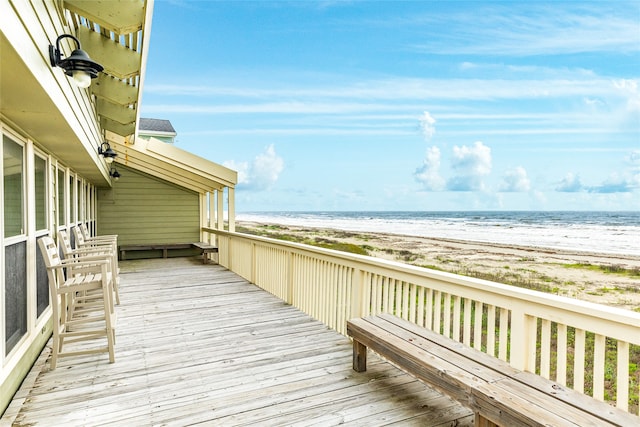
(174,165)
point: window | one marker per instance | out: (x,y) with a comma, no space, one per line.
(42,283)
(13,187)
(42,220)
(15,254)
(15,295)
(41,192)
(61,199)
(73,201)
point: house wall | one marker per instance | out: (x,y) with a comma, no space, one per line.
(163,138)
(48,132)
(38,196)
(143,209)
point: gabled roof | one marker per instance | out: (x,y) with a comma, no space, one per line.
(155,125)
(172,164)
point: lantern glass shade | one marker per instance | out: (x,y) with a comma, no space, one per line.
(82,79)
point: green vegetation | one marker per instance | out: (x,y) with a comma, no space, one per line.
(607,269)
(274,232)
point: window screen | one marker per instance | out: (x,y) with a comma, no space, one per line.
(13,187)
(15,296)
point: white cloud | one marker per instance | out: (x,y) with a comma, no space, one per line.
(558,83)
(428,175)
(267,166)
(534,29)
(242,168)
(629,89)
(617,183)
(571,183)
(262,173)
(471,165)
(633,160)
(516,180)
(427,125)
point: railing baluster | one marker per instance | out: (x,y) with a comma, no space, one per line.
(561,365)
(387,295)
(545,349)
(447,315)
(412,303)
(397,286)
(598,366)
(421,298)
(466,335)
(437,310)
(504,334)
(491,330)
(455,334)
(622,380)
(578,364)
(429,314)
(477,326)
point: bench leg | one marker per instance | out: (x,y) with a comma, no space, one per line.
(481,421)
(359,357)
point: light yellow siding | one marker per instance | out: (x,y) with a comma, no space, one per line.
(143,209)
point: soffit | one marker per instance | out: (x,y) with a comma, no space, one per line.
(114,33)
(24,104)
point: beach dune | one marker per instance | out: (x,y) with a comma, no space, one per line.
(610,279)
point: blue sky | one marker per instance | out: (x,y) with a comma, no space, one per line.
(417,105)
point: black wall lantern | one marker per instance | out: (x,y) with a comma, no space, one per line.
(107,152)
(77,65)
(113,173)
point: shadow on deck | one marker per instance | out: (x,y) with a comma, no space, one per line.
(198,344)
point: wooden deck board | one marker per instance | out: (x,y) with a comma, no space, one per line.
(198,344)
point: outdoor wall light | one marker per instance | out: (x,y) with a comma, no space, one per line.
(78,65)
(113,173)
(107,152)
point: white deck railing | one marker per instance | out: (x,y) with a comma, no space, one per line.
(592,348)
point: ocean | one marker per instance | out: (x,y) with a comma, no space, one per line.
(603,232)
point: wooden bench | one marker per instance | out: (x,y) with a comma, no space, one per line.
(499,394)
(164,247)
(206,249)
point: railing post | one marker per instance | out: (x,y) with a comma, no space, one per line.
(522,326)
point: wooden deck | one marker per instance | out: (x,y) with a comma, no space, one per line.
(197,344)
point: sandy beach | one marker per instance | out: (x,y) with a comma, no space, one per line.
(597,277)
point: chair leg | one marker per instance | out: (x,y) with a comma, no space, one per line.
(111,337)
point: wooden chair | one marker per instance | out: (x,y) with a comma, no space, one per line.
(110,246)
(71,328)
(90,253)
(89,238)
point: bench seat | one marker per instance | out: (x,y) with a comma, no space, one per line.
(164,247)
(499,394)
(206,249)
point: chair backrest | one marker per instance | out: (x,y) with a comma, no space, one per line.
(49,251)
(79,237)
(85,231)
(65,243)
(51,257)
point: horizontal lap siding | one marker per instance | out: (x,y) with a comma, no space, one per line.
(142,209)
